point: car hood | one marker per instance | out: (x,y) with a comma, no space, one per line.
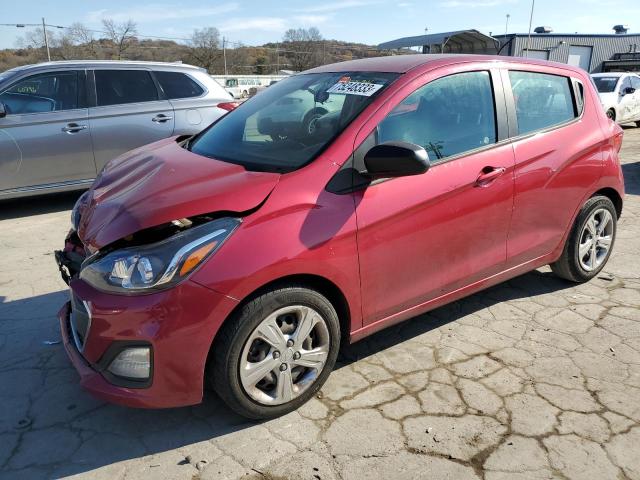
(161,182)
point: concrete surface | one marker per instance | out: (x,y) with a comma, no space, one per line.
(533,379)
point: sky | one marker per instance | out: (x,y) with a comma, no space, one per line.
(254,22)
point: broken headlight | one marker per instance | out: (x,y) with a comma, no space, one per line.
(158,265)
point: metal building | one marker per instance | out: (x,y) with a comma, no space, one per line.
(460,41)
(592,52)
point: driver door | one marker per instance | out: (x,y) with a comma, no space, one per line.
(44,139)
(627,102)
(421,237)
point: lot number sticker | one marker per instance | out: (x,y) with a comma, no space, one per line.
(347,87)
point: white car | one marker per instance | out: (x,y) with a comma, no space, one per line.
(620,95)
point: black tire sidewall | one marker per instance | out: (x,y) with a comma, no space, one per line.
(226,375)
(589,207)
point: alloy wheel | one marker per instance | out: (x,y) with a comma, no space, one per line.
(595,240)
(284,355)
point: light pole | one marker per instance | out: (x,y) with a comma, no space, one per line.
(224,54)
(46,39)
(533,3)
(44,26)
(506,25)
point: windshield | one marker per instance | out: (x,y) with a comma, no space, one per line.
(290,123)
(605,84)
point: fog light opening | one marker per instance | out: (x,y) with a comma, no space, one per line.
(133,363)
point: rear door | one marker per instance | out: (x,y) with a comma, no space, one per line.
(44,139)
(626,102)
(128,111)
(194,108)
(635,109)
(558,144)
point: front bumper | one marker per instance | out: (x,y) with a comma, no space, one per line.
(179,325)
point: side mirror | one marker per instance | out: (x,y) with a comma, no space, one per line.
(629,91)
(3,110)
(396,159)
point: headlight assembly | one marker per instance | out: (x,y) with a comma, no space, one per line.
(159,265)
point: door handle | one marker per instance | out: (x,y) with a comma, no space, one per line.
(488,175)
(161,118)
(73,128)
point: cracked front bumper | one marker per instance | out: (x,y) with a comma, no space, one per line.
(178,324)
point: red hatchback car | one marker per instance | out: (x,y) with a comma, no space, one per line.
(333,204)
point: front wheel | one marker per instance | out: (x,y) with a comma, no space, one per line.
(276,352)
(590,242)
(611,113)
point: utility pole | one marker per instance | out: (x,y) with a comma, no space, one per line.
(224,53)
(277,60)
(506,26)
(533,2)
(46,39)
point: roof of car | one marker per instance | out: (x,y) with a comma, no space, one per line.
(404,63)
(613,74)
(99,63)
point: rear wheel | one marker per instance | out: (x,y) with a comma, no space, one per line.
(590,242)
(276,352)
(638,124)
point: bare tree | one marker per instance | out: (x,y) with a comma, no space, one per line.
(83,38)
(204,48)
(122,35)
(303,47)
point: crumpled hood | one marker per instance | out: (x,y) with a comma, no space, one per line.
(161,182)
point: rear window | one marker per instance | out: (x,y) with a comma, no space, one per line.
(178,85)
(605,84)
(116,87)
(541,100)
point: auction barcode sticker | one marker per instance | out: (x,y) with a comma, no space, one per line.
(365,89)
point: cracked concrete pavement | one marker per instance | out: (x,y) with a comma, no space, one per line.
(535,378)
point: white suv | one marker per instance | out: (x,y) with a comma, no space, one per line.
(60,122)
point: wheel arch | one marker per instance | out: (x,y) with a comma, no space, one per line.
(613,195)
(318,283)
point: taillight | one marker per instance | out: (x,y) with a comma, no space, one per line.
(617,140)
(228,106)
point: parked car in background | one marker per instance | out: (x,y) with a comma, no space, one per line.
(60,122)
(242,257)
(619,95)
(240,86)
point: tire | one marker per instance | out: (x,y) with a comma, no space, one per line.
(638,124)
(570,266)
(245,94)
(237,348)
(611,113)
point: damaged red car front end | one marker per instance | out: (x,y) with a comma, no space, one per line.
(148,348)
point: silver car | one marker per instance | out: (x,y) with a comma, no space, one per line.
(60,122)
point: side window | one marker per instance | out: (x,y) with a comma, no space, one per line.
(46,92)
(578,91)
(114,87)
(178,85)
(626,83)
(446,117)
(635,83)
(542,100)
